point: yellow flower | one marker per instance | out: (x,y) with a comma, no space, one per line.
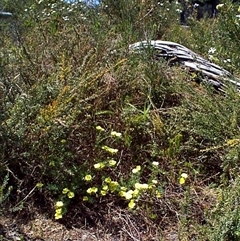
(102,165)
(39,185)
(103,192)
(182,180)
(107,180)
(105,188)
(58,216)
(116,134)
(99,128)
(59,204)
(58,211)
(135,192)
(88,177)
(92,190)
(123,189)
(158,194)
(85,198)
(151,186)
(136,169)
(109,149)
(131,204)
(89,190)
(65,190)
(71,194)
(122,193)
(113,186)
(99,165)
(112,163)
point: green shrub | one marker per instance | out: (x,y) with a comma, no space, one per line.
(224,219)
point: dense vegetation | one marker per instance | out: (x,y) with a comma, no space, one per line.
(88,128)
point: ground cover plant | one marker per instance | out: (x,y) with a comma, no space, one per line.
(93,134)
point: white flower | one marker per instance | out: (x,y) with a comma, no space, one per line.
(128,194)
(155,163)
(117,134)
(227,60)
(184,175)
(212,50)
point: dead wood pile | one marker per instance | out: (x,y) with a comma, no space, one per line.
(174,53)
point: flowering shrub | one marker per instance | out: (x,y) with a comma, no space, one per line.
(129,189)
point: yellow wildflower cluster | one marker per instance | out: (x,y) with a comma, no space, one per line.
(113,133)
(107,163)
(133,195)
(130,194)
(107,186)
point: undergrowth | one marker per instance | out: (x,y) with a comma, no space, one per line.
(86,124)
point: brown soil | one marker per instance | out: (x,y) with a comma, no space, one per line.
(44,229)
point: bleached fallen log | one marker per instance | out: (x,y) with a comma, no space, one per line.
(5,14)
(211,73)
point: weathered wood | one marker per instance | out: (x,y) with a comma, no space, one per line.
(211,73)
(5,15)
